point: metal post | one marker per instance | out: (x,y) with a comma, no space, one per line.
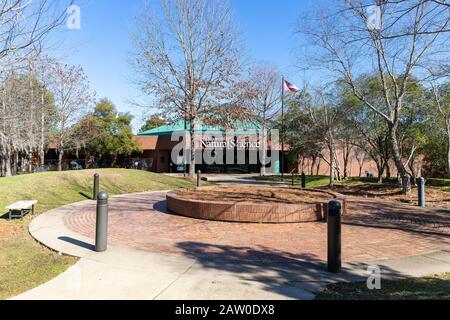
(421,187)
(303,180)
(96,186)
(199,178)
(334,237)
(101,232)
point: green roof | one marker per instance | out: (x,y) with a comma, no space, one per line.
(178,127)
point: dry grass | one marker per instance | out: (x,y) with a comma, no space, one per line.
(9,230)
(435,197)
(256,194)
(437,190)
(436,287)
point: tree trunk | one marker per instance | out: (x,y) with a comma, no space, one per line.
(2,164)
(347,151)
(264,151)
(60,158)
(448,157)
(23,162)
(380,169)
(192,148)
(404,176)
(302,165)
(413,170)
(42,138)
(42,154)
(388,170)
(30,162)
(330,147)
(338,171)
(8,172)
(313,165)
(114,162)
(345,170)
(448,148)
(15,163)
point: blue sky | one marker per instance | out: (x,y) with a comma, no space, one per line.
(103,43)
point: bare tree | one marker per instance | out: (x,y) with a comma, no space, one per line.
(325,116)
(348,135)
(41,100)
(24,26)
(73,98)
(187,56)
(20,121)
(261,93)
(361,158)
(303,138)
(442,102)
(392,42)
(437,18)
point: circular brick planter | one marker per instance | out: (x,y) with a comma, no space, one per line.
(230,211)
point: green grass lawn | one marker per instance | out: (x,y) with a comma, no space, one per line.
(435,287)
(323,181)
(440,183)
(54,189)
(312,182)
(24,264)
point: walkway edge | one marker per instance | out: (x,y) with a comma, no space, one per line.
(49,229)
(124,273)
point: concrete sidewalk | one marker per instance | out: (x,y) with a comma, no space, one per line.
(124,273)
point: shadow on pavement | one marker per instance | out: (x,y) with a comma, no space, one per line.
(85,195)
(78,243)
(387,215)
(279,272)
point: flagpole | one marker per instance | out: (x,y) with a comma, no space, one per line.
(282,129)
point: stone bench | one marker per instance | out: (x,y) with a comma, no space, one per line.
(21,206)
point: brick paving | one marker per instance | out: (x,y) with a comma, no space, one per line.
(373,230)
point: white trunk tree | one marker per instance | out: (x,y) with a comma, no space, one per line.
(187,56)
(442,102)
(262,94)
(394,40)
(24,27)
(73,99)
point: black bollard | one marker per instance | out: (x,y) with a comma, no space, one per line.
(303,180)
(199,178)
(334,237)
(101,232)
(421,187)
(96,186)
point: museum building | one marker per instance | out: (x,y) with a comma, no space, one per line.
(157,145)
